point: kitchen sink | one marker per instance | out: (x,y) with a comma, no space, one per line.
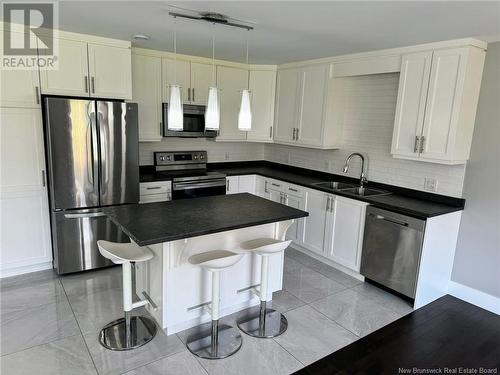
(365,192)
(334,185)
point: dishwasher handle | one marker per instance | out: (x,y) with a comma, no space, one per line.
(391,220)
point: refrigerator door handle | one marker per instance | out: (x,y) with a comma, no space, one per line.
(84,215)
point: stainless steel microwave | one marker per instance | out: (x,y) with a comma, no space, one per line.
(194,123)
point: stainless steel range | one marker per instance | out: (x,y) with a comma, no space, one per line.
(188,171)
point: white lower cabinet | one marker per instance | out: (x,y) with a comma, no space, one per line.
(25,244)
(334,228)
(345,224)
(232,185)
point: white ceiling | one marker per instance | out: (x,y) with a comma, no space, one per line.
(286,30)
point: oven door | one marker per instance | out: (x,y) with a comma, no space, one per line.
(193,189)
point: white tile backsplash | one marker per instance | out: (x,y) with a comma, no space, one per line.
(368,118)
(217,151)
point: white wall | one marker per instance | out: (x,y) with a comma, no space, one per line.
(477,257)
(370,104)
(217,151)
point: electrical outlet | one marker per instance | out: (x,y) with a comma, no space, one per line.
(227,155)
(430,184)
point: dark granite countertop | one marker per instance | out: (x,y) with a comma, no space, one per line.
(410,202)
(152,223)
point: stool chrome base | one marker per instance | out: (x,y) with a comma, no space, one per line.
(215,342)
(141,330)
(262,322)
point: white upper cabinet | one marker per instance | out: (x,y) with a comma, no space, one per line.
(202,77)
(110,70)
(146,91)
(437,102)
(176,72)
(412,95)
(313,95)
(262,85)
(87,69)
(303,97)
(287,105)
(72,76)
(230,82)
(18,87)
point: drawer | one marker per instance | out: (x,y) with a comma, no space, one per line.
(298,191)
(157,187)
(274,184)
(155,198)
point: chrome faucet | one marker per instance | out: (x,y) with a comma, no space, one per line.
(362,178)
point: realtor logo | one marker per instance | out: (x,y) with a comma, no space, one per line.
(29,39)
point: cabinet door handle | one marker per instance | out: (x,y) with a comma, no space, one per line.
(297,134)
(193,93)
(265,187)
(328,204)
(92,84)
(416,145)
(37,94)
(86,83)
(293,135)
(189,94)
(422,144)
(227,185)
(44,181)
(332,205)
(270,132)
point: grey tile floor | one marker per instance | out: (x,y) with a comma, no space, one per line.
(49,325)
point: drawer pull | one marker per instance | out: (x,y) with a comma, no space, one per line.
(292,189)
(272,183)
(153,187)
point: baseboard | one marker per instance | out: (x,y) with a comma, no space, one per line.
(25,269)
(474,296)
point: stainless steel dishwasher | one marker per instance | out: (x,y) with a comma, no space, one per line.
(392,247)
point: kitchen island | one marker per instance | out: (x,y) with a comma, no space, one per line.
(178,229)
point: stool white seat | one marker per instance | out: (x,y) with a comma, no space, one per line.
(215,341)
(129,332)
(265,322)
(119,253)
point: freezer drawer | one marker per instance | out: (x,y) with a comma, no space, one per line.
(75,235)
(392,247)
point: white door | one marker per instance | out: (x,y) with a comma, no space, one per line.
(25,240)
(146,91)
(230,82)
(444,102)
(345,225)
(314,225)
(202,77)
(247,184)
(176,72)
(232,185)
(410,107)
(72,75)
(19,88)
(262,85)
(312,97)
(287,105)
(110,71)
(262,187)
(295,231)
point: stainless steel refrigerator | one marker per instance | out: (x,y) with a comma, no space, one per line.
(92,153)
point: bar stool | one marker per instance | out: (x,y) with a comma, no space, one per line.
(129,332)
(216,341)
(264,323)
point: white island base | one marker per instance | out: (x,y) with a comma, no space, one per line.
(180,289)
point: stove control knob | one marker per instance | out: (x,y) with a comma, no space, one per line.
(169,157)
(162,158)
(196,157)
(202,157)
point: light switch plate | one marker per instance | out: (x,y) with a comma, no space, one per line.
(430,184)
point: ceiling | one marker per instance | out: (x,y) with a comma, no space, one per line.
(285,30)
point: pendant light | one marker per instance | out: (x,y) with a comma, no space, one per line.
(212,112)
(175,114)
(245,114)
